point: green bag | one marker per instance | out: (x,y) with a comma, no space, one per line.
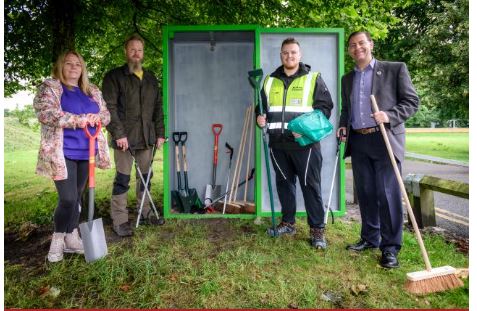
(313,126)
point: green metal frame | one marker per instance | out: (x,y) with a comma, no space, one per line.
(258,143)
(168,33)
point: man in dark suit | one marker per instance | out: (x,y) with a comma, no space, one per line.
(377,187)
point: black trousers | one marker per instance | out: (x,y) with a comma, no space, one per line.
(306,164)
(69,195)
(378,191)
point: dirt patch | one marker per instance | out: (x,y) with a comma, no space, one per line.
(28,251)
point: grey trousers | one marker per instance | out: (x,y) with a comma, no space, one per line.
(124,163)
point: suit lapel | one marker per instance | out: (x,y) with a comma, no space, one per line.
(378,73)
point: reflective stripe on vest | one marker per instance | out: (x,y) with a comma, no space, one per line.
(277,125)
(299,100)
(299,93)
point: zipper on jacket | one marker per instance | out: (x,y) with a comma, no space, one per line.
(283,106)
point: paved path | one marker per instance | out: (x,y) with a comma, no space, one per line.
(452,212)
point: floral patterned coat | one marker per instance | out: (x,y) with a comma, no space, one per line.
(51,160)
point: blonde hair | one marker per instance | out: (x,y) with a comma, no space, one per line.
(57,72)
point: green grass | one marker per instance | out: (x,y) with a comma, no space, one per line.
(213,263)
(454,146)
(231,264)
(18,136)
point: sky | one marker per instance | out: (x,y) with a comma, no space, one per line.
(21,99)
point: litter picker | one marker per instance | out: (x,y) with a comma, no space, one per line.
(432,279)
(328,206)
(146,188)
(148,180)
(231,151)
(92,231)
(255,78)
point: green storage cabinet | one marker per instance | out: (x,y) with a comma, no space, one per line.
(205,81)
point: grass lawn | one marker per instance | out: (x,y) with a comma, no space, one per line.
(454,146)
(207,263)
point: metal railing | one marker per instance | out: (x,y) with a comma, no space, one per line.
(420,189)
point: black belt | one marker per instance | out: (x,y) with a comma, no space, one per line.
(367,130)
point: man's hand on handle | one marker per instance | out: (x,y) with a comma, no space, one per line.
(122,143)
(261,121)
(341,134)
(380,117)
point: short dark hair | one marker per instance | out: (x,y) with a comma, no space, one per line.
(290,40)
(367,34)
(133,37)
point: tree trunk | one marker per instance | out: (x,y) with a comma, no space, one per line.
(63,26)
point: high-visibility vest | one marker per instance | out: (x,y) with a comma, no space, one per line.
(286,104)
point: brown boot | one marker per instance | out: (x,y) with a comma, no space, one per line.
(317,238)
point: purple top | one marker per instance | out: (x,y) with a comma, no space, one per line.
(360,97)
(75,142)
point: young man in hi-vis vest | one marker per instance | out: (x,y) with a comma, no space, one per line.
(291,90)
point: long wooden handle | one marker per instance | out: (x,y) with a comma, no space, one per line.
(403,189)
(242,148)
(250,137)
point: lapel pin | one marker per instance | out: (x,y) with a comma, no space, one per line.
(378,72)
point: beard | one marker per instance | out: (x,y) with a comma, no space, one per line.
(134,66)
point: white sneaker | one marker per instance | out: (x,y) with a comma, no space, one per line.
(73,243)
(56,247)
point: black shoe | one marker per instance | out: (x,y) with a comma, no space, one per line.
(389,260)
(154,221)
(123,229)
(360,246)
(317,237)
(283,228)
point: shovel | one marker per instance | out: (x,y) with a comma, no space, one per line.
(186,200)
(212,191)
(191,198)
(92,231)
(255,78)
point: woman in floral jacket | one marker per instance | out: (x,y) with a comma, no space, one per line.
(65,105)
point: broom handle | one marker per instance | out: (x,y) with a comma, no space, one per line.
(403,189)
(234,178)
(252,127)
(242,147)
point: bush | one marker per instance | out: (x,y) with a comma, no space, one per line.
(423,117)
(25,116)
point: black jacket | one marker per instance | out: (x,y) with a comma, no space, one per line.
(135,106)
(321,100)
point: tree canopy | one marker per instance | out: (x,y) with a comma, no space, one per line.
(430,35)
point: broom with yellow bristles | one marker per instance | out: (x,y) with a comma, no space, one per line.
(432,279)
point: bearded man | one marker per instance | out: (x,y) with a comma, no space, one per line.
(133,98)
